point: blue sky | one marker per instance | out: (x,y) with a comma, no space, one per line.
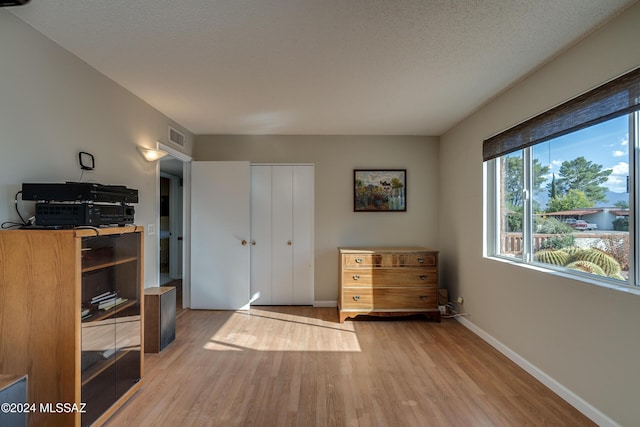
(606,144)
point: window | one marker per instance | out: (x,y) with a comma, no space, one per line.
(562,187)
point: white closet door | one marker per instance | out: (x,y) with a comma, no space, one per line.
(303,220)
(282,244)
(220,221)
(261,235)
(282,214)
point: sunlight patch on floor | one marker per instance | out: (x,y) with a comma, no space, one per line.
(220,346)
(270,330)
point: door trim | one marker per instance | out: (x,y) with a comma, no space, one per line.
(186,222)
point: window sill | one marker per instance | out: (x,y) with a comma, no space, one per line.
(585,278)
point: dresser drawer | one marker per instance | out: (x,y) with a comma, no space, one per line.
(389,277)
(390,299)
(417,259)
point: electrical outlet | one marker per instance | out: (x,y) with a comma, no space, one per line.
(460,300)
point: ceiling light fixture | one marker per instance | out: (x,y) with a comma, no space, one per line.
(151,154)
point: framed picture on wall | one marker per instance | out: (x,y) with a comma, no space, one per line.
(380,190)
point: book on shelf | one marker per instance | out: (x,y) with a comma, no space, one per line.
(102,297)
(107,302)
(108,353)
(106,305)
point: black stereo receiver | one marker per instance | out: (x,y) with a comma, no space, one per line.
(78,192)
(83,214)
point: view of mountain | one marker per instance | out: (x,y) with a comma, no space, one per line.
(612,198)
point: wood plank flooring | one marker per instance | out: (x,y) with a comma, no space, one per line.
(297,366)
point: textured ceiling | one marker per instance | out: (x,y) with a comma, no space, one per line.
(402,67)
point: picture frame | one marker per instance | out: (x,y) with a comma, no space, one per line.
(380,190)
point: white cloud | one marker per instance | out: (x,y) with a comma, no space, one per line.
(621,168)
(624,141)
(555,164)
(618,179)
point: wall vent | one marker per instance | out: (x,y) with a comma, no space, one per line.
(176,137)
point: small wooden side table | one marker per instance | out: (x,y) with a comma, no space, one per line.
(159,318)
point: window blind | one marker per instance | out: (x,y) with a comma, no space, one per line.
(615,98)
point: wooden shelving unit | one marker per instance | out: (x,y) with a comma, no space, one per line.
(47,277)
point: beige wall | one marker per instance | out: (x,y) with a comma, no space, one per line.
(335,158)
(53,105)
(583,336)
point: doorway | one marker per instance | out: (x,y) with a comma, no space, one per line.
(173,222)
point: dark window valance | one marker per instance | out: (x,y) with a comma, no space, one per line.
(613,99)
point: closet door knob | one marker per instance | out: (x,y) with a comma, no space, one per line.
(289,243)
(253,243)
(244,243)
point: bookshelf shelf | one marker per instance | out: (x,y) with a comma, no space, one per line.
(96,315)
(108,264)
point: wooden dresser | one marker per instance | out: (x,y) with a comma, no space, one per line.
(388,281)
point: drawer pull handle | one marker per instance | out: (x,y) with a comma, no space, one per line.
(420,260)
(423,297)
(358,260)
(356,277)
(423,277)
(356,297)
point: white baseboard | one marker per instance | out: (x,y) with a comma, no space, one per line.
(573,399)
(325,303)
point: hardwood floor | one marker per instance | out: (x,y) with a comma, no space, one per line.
(298,366)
